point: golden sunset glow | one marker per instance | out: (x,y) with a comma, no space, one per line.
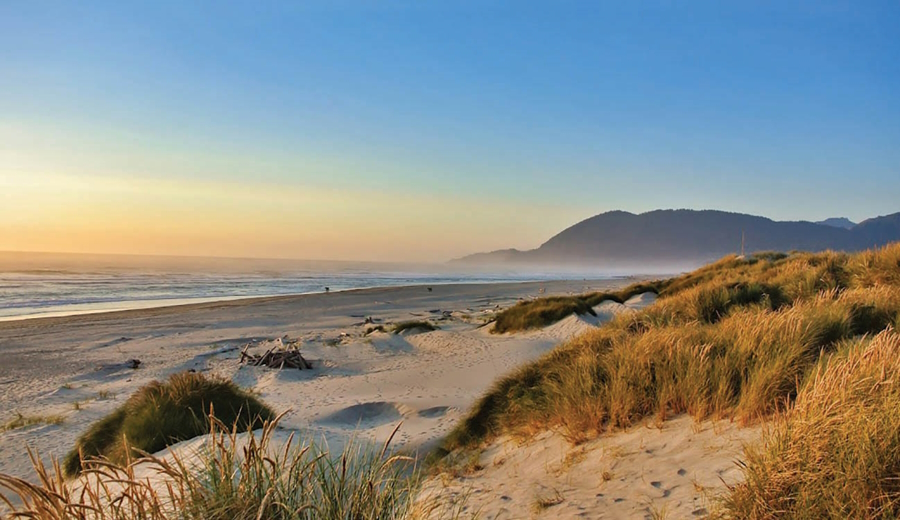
(216,218)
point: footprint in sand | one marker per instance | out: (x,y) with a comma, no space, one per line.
(434,412)
(367,415)
(379,413)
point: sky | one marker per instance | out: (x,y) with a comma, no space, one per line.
(426,130)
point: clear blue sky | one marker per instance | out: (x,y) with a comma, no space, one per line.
(489,124)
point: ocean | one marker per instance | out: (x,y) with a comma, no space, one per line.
(55,285)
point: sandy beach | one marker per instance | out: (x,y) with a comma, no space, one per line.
(74,368)
(364,383)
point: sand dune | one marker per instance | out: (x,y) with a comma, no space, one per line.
(363,384)
(672,469)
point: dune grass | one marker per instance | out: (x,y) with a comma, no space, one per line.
(836,454)
(412,325)
(376,328)
(163,413)
(239,476)
(540,312)
(24,421)
(736,338)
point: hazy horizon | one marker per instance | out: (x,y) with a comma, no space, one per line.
(38,261)
(26,258)
(418,132)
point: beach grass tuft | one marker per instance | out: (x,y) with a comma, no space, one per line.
(413,325)
(377,328)
(24,421)
(163,413)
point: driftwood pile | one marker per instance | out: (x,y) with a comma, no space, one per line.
(278,356)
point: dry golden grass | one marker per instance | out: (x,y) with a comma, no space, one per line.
(806,339)
(243,477)
(836,453)
(546,499)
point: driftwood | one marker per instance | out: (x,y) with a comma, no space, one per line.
(276,357)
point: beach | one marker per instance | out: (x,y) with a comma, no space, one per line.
(71,371)
(449,260)
(366,381)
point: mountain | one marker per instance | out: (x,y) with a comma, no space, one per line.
(666,239)
(878,231)
(838,222)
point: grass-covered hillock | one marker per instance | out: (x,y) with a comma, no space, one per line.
(164,413)
(404,326)
(540,312)
(738,338)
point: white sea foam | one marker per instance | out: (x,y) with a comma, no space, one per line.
(41,292)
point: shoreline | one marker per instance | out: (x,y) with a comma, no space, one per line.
(137,306)
(174,305)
